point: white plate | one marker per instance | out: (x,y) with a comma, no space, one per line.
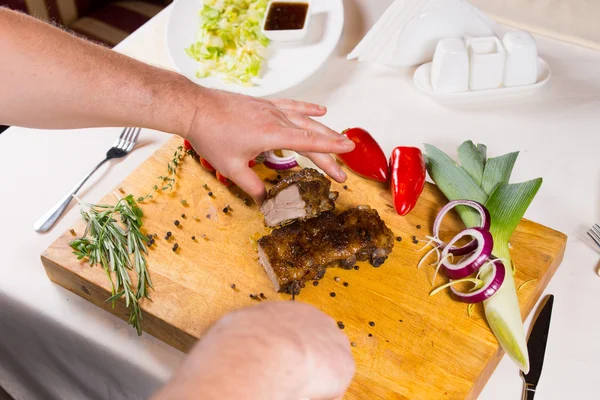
(422,78)
(288,63)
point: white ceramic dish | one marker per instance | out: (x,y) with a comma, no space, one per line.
(422,79)
(287,65)
(290,34)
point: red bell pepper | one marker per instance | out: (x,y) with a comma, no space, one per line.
(187,145)
(367,159)
(407,174)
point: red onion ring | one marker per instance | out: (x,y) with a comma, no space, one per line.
(471,263)
(485,223)
(495,281)
(273,161)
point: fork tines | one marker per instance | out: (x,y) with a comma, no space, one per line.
(127,139)
(594,234)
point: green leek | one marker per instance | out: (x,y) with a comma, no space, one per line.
(486,181)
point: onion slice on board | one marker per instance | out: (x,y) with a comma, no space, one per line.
(273,161)
(485,223)
(494,279)
(484,243)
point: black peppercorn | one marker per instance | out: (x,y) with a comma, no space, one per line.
(371,323)
(398,238)
(356,267)
(332,294)
(346,284)
(316,283)
(183,216)
(370,335)
(210,194)
(418,226)
(233,285)
(345,187)
(340,325)
(193,237)
(225,209)
(262,296)
(175,246)
(176,223)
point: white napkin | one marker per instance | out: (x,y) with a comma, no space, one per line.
(408,31)
(574,21)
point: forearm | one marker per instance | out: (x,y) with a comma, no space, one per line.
(52,79)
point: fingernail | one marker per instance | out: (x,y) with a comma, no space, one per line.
(346,143)
(342,175)
(321,107)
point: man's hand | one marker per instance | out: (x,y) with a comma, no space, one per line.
(230,129)
(52,79)
(276,350)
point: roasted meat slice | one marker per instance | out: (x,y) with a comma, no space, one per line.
(303,250)
(300,196)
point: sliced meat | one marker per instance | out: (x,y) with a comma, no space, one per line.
(300,196)
(303,250)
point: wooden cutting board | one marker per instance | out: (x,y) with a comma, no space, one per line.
(421,347)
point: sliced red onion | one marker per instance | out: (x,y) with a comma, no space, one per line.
(470,263)
(273,161)
(495,280)
(485,223)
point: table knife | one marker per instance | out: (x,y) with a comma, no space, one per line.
(536,346)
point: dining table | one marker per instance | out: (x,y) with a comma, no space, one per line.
(56,345)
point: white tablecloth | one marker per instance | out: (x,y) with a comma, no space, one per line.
(55,345)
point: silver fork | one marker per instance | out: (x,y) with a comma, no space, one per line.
(122,146)
(594,234)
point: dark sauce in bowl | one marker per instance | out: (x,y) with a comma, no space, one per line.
(286,16)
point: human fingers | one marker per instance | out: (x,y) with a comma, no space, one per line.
(328,164)
(249,182)
(304,140)
(303,107)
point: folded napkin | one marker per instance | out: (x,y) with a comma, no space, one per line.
(574,21)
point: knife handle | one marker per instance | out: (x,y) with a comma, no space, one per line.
(528,392)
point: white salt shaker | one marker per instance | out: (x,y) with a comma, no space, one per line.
(486,62)
(450,66)
(521,59)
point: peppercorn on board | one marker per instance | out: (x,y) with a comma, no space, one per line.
(407,344)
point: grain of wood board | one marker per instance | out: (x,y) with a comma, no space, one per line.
(420,347)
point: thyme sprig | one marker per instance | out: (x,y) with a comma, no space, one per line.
(167,182)
(113,239)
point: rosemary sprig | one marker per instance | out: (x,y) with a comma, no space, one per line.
(113,239)
(167,182)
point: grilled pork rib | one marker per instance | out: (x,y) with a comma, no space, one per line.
(300,196)
(303,250)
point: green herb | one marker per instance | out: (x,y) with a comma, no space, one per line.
(113,239)
(486,180)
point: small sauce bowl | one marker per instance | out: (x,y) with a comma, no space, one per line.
(286,20)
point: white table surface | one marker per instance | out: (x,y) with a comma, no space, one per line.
(77,350)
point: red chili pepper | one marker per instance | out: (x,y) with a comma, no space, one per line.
(187,145)
(224,180)
(407,173)
(367,159)
(206,164)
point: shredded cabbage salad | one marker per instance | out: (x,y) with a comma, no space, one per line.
(230,43)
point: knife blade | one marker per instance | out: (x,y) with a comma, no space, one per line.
(536,346)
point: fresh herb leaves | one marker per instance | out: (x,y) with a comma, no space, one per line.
(113,239)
